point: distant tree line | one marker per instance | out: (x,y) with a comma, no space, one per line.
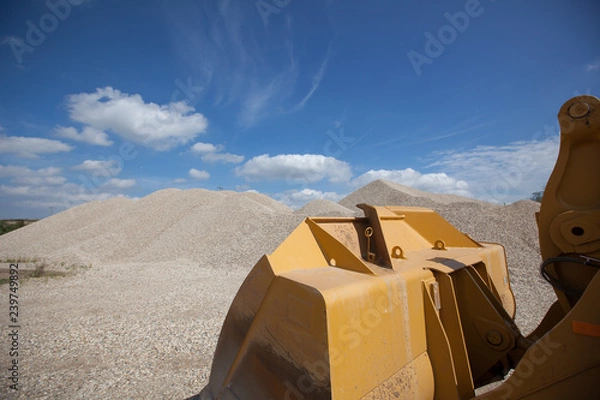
(12,224)
(537,196)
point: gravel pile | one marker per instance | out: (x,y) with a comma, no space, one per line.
(326,208)
(167,225)
(385,193)
(143,321)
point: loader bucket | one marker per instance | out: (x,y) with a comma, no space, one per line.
(348,308)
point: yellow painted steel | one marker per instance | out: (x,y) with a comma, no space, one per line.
(316,320)
(400,304)
(564,360)
(569,219)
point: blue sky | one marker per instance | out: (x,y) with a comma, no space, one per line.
(295,99)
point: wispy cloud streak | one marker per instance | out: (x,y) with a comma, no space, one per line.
(240,63)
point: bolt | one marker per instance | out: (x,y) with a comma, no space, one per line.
(579,110)
(494,337)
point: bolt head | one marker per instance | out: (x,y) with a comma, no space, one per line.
(579,109)
(494,337)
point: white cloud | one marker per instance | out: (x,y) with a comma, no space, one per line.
(503,173)
(222,157)
(61,197)
(19,172)
(593,66)
(42,188)
(198,175)
(25,176)
(316,81)
(432,182)
(49,171)
(307,168)
(297,198)
(210,153)
(70,193)
(257,102)
(31,147)
(160,127)
(105,167)
(13,170)
(179,180)
(15,190)
(88,135)
(75,194)
(39,180)
(203,148)
(119,183)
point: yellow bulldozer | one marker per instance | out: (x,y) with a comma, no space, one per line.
(399,304)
